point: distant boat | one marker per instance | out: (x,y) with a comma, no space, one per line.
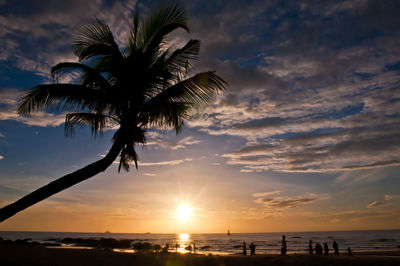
(107,232)
(147,233)
(229,233)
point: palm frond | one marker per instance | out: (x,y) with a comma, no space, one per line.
(128,154)
(198,89)
(167,115)
(61,96)
(179,59)
(90,77)
(95,121)
(96,40)
(132,44)
(154,29)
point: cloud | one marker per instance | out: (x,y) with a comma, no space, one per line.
(362,177)
(264,194)
(181,144)
(8,111)
(305,103)
(281,202)
(375,204)
(50,26)
(149,174)
(393,196)
(355,215)
(162,163)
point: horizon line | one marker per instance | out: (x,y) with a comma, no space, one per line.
(158,233)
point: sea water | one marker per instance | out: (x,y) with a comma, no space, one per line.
(266,243)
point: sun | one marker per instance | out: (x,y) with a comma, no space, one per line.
(184,212)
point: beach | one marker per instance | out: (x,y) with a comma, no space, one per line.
(217,244)
(27,255)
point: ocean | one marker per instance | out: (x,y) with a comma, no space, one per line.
(266,243)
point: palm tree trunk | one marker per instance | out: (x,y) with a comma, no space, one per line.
(61,183)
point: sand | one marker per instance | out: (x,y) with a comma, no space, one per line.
(25,255)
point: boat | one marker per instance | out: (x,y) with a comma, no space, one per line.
(229,233)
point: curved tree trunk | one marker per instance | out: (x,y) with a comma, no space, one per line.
(61,184)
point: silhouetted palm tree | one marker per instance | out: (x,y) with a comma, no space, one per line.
(145,85)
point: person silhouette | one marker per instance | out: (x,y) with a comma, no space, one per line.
(284,246)
(336,247)
(318,248)
(349,251)
(310,248)
(252,249)
(165,248)
(326,249)
(244,249)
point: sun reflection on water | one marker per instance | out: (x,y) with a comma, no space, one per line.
(183,244)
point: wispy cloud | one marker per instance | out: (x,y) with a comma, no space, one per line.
(363,177)
(8,111)
(174,145)
(162,163)
(375,204)
(354,215)
(265,194)
(149,174)
(280,202)
(393,196)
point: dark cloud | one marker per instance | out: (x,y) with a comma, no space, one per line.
(314,101)
(287,202)
(341,150)
(39,34)
(375,204)
(261,123)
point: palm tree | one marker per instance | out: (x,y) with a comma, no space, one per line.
(142,86)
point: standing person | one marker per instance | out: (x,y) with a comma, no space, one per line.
(310,248)
(244,249)
(318,248)
(284,247)
(349,251)
(326,249)
(252,249)
(336,247)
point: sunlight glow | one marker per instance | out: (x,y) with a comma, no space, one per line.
(182,243)
(184,237)
(184,212)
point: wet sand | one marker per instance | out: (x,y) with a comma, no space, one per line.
(23,255)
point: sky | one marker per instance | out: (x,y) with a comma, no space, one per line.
(306,137)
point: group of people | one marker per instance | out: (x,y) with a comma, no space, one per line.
(252,249)
(318,248)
